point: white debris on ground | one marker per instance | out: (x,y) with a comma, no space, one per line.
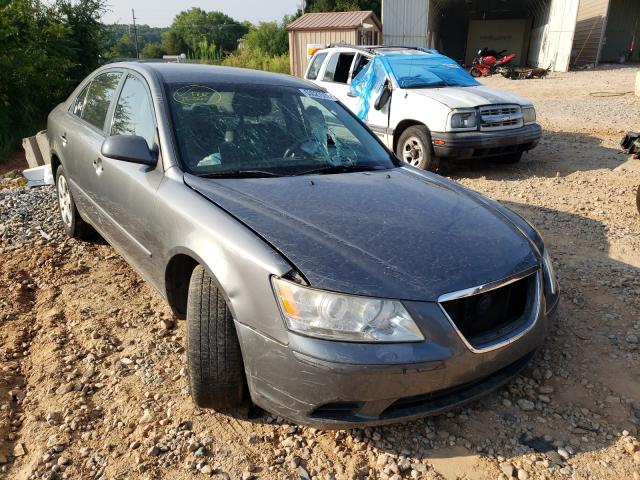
(92,380)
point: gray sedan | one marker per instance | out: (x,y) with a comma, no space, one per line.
(319,276)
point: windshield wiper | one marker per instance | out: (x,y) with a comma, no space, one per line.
(240,174)
(328,169)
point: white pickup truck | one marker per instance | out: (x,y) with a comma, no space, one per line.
(424,106)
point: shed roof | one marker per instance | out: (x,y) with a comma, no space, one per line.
(334,20)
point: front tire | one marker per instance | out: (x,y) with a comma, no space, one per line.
(475,73)
(414,147)
(72,222)
(214,359)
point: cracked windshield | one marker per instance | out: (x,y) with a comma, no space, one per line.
(237,131)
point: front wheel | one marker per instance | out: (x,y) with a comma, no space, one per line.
(414,147)
(73,223)
(475,73)
(214,359)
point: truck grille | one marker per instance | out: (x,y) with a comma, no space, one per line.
(500,117)
(494,314)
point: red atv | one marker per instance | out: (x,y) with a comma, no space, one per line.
(488,61)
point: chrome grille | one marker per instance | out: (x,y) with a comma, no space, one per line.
(500,117)
(492,315)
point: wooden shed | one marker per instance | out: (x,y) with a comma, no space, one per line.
(318,30)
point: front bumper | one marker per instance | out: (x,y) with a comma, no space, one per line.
(477,144)
(331,384)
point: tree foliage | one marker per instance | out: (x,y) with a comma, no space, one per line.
(193,26)
(47,48)
(343,5)
(270,37)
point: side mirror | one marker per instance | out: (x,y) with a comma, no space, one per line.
(384,97)
(129,148)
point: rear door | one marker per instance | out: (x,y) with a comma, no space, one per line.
(337,74)
(83,137)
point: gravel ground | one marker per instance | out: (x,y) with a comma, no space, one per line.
(93,384)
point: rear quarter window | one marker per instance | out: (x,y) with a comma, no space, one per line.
(78,102)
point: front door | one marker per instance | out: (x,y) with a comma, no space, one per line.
(127,191)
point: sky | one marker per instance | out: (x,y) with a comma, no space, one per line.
(160,13)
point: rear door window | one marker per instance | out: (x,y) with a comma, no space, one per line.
(339,67)
(133,114)
(99,98)
(314,68)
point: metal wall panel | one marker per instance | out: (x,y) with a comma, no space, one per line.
(405,22)
(551,43)
(589,31)
(623,30)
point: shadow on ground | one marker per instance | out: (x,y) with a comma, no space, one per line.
(558,154)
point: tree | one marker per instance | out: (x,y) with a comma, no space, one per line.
(269,37)
(195,24)
(343,5)
(172,43)
(152,50)
(85,34)
(46,49)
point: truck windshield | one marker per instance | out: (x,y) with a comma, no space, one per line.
(425,70)
(240,130)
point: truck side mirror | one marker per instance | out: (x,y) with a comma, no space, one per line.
(384,96)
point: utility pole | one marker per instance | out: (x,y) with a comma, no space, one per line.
(135,32)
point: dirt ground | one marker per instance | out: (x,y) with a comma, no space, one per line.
(92,378)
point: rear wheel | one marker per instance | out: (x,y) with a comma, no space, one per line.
(414,147)
(214,359)
(73,223)
(511,158)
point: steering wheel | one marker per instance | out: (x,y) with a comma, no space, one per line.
(297,147)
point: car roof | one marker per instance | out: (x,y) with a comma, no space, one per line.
(384,49)
(189,72)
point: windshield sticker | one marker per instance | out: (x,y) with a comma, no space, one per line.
(317,94)
(193,95)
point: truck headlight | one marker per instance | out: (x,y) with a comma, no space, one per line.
(529,114)
(318,313)
(549,273)
(464,120)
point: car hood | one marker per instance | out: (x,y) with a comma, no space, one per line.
(468,97)
(397,233)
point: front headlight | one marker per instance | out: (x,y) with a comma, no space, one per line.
(322,314)
(463,120)
(548,270)
(529,114)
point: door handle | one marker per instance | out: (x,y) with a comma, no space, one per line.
(351,94)
(97,164)
(63,137)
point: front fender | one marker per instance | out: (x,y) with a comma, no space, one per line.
(238,260)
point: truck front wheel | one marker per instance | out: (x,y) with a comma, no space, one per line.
(414,147)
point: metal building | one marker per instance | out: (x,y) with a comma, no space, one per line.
(544,33)
(318,30)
